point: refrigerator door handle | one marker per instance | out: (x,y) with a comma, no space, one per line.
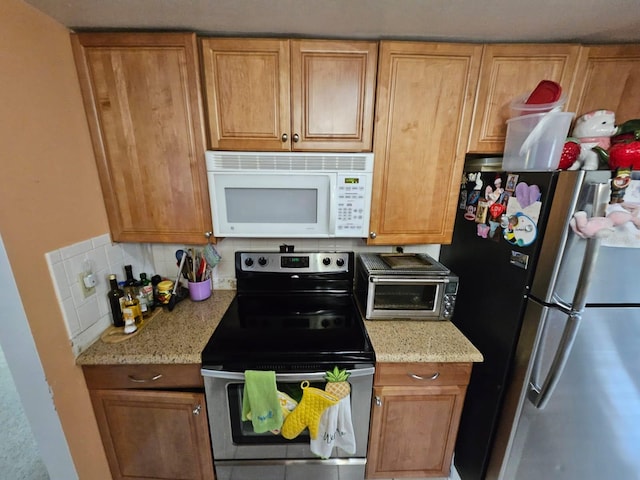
(540,395)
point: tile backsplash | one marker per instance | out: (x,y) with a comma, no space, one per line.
(87,318)
(224,273)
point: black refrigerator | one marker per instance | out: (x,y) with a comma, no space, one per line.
(512,247)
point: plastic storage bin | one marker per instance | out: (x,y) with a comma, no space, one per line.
(534,142)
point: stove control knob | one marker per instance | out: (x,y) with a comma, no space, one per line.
(326,261)
(262,261)
(340,262)
(248,261)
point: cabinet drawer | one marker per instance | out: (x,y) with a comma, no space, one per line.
(422,374)
(142,376)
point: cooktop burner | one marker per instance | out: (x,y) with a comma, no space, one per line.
(297,317)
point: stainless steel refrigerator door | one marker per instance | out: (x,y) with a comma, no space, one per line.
(590,427)
(562,250)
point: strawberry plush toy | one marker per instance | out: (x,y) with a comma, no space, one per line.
(570,153)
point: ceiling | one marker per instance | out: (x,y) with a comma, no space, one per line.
(585,21)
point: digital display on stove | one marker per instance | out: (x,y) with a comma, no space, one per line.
(294,262)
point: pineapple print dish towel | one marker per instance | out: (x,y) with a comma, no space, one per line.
(260,402)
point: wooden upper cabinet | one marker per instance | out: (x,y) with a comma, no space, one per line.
(332,91)
(142,97)
(609,78)
(282,95)
(509,70)
(425,96)
(247,93)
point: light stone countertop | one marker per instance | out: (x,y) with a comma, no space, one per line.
(420,341)
(178,337)
(170,337)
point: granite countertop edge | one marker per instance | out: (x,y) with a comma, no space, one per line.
(179,336)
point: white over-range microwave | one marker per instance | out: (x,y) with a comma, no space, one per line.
(273,194)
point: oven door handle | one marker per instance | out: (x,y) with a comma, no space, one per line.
(286,377)
(415,280)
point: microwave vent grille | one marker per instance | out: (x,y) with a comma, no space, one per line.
(298,162)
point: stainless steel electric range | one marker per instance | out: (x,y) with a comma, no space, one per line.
(294,314)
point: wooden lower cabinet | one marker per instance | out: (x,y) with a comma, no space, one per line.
(415,417)
(151,433)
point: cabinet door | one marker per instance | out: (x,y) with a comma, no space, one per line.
(425,95)
(154,434)
(333,89)
(413,431)
(247,90)
(609,78)
(508,71)
(142,97)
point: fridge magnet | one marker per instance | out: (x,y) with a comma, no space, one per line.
(483,230)
(526,200)
(473,197)
(619,183)
(521,230)
(463,199)
(494,230)
(512,181)
(495,214)
(481,212)
(494,194)
(470,213)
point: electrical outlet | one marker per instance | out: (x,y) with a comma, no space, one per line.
(87,283)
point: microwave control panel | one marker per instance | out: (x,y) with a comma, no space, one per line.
(353,204)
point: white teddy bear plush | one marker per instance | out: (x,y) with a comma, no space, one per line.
(593,129)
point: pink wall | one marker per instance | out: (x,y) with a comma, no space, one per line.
(49,197)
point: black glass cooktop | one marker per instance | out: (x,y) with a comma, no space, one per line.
(289,333)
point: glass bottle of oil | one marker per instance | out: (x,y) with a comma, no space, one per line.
(131,302)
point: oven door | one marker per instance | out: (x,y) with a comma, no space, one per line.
(404,297)
(233,439)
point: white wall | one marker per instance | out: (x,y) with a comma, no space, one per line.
(24,363)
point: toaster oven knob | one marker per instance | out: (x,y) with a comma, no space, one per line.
(340,262)
(262,261)
(326,261)
(248,261)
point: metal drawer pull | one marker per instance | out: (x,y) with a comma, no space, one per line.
(378,401)
(196,411)
(418,377)
(145,380)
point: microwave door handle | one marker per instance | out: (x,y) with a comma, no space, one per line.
(333,200)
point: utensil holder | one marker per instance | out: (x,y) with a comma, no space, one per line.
(199,291)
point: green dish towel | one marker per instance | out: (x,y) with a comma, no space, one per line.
(260,402)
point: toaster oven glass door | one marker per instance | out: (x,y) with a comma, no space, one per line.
(401,297)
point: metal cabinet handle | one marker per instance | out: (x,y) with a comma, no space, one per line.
(296,138)
(373,234)
(378,401)
(196,410)
(145,380)
(418,377)
(285,137)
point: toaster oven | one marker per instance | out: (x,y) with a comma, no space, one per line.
(404,286)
